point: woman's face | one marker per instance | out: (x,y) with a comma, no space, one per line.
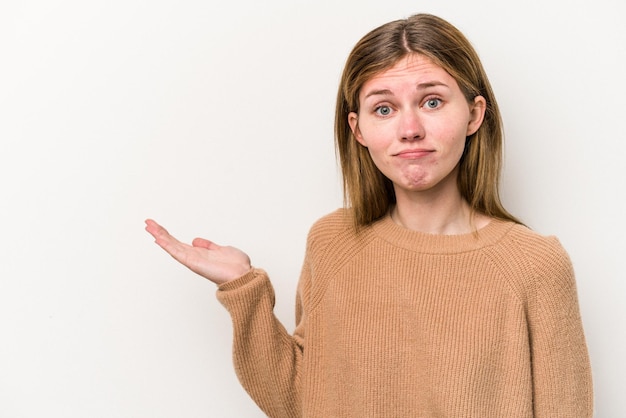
(414,120)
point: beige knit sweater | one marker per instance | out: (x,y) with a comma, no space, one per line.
(395,323)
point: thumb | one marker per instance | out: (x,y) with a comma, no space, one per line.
(204,243)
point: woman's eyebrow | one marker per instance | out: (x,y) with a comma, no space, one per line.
(383,92)
(428,84)
(420,86)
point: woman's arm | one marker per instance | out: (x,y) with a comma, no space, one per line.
(560,362)
(267,359)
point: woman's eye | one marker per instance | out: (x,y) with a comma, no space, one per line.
(432,103)
(383,110)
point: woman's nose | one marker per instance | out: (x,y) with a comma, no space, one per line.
(411,127)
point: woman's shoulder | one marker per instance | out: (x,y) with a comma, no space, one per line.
(336,233)
(537,245)
(339,219)
(331,225)
(530,261)
(542,255)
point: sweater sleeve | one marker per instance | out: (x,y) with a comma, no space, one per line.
(267,359)
(561,370)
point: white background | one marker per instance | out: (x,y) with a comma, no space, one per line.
(215,118)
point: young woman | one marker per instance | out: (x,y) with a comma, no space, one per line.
(423,297)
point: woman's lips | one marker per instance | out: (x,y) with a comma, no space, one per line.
(414,153)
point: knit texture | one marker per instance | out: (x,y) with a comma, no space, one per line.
(396,323)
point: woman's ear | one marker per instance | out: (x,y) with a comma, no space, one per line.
(477,114)
(353,121)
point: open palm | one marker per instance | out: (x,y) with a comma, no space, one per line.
(217,263)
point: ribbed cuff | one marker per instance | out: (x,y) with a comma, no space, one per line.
(239,282)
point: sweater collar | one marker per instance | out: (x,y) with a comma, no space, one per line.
(386,229)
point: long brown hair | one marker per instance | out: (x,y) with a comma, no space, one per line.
(366,190)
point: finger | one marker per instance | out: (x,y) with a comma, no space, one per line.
(154,228)
(163,238)
(151,223)
(204,243)
(180,251)
(158,232)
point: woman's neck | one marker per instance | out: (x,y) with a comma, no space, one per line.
(436,213)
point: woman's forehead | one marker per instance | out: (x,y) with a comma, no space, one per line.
(412,68)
